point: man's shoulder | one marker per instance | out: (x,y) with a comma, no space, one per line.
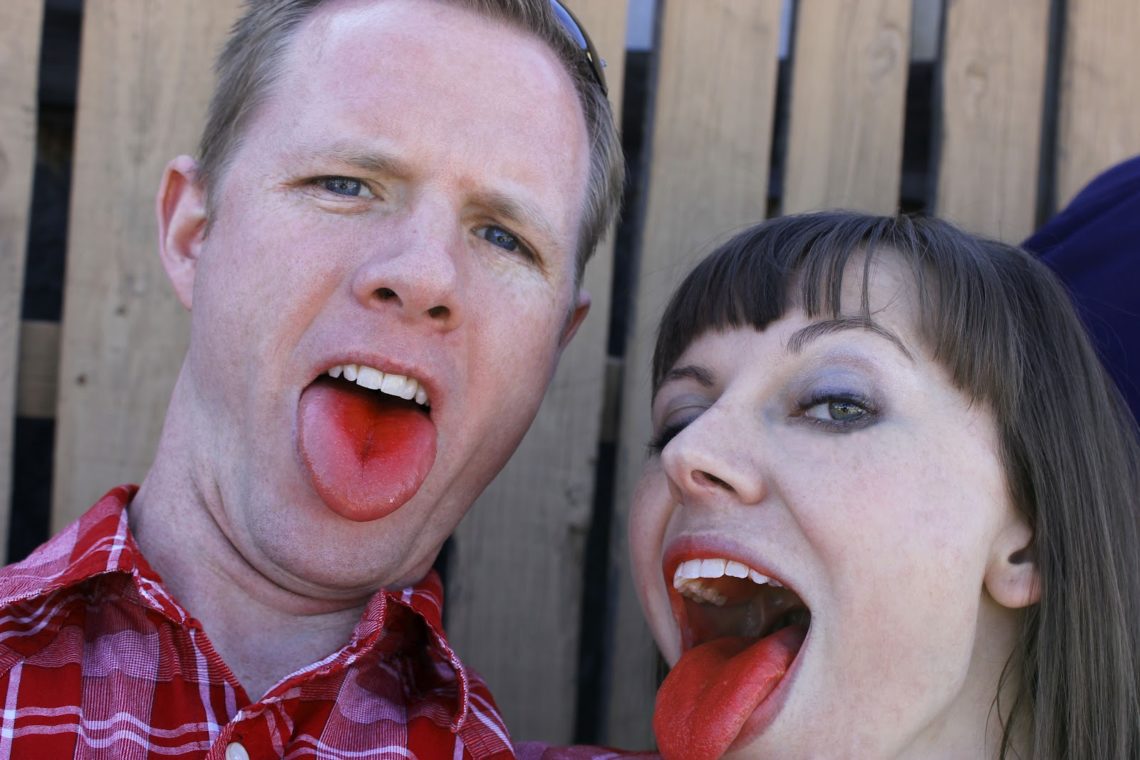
(91,545)
(540,751)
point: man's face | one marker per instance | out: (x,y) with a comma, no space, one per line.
(407,200)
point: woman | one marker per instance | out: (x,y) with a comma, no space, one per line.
(890,508)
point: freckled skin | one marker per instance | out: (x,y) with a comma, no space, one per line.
(889,531)
(290,272)
(355,222)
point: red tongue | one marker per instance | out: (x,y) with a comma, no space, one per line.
(367,453)
(714,688)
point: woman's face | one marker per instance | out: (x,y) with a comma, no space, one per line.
(833,458)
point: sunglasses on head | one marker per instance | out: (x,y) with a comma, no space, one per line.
(578,33)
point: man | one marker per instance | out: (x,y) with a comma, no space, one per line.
(380,248)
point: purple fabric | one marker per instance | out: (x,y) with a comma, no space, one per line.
(1094,246)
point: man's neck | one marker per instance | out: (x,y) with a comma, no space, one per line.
(263,632)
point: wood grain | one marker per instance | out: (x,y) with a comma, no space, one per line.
(845,134)
(993,85)
(711,139)
(1100,91)
(514,590)
(145,78)
(20,22)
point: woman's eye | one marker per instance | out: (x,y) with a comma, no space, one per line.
(838,411)
(673,426)
(346,186)
(662,437)
(498,237)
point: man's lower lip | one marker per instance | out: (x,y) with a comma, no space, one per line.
(764,715)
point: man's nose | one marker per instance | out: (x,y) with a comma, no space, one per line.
(715,460)
(415,269)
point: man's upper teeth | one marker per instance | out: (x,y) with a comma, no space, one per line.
(691,571)
(407,388)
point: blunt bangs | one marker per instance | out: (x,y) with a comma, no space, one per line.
(800,262)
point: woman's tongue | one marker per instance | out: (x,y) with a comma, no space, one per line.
(367,453)
(714,688)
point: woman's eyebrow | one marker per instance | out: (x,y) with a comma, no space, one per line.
(805,335)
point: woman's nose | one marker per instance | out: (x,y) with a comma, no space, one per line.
(714,459)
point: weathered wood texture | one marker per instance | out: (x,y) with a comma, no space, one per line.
(711,139)
(145,78)
(845,136)
(20,22)
(993,88)
(1100,91)
(515,583)
(516,575)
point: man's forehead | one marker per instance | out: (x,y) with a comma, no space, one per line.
(411,89)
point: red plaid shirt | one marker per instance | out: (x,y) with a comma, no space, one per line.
(98,660)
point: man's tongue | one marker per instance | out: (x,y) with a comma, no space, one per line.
(714,688)
(367,453)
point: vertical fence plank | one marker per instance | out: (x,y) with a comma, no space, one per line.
(20,22)
(993,89)
(145,78)
(711,139)
(845,133)
(515,582)
(1100,91)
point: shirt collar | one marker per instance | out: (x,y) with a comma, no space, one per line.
(100,543)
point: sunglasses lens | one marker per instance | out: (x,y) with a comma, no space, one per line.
(571,25)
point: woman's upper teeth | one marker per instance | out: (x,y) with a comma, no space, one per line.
(688,577)
(407,388)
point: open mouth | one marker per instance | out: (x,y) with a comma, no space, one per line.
(366,438)
(722,597)
(741,631)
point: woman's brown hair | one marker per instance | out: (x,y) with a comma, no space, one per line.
(1005,329)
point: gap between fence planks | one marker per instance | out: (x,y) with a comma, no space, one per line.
(38,369)
(710,145)
(145,78)
(993,90)
(20,22)
(1100,91)
(515,582)
(845,134)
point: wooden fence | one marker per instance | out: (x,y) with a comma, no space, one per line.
(1033,97)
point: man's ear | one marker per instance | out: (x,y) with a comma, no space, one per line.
(577,315)
(1012,576)
(181,208)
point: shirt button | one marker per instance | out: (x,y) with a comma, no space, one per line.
(236,752)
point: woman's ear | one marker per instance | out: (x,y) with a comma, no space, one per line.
(181,209)
(1012,576)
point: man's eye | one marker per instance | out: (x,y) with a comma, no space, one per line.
(346,186)
(497,236)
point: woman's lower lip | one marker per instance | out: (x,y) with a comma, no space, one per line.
(770,708)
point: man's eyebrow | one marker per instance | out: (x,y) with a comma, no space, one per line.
(805,335)
(689,372)
(370,161)
(518,211)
